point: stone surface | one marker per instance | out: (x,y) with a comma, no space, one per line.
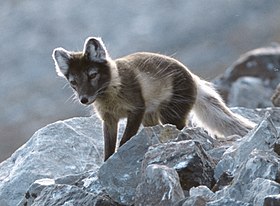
(160,186)
(259,165)
(86,183)
(276,97)
(35,190)
(187,157)
(120,174)
(262,137)
(261,63)
(54,195)
(201,191)
(259,189)
(272,200)
(228,202)
(199,135)
(159,166)
(256,115)
(62,148)
(250,88)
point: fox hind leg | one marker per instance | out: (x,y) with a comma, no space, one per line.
(175,113)
(150,119)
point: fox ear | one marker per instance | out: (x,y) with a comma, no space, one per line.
(61,58)
(95,50)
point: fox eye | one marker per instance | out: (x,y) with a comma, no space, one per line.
(73,82)
(92,75)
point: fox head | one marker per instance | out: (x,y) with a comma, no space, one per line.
(88,72)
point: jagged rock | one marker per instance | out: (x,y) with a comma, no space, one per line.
(158,162)
(199,135)
(57,194)
(263,137)
(276,97)
(212,146)
(259,189)
(35,190)
(202,196)
(160,186)
(263,63)
(120,174)
(259,165)
(187,157)
(67,190)
(91,184)
(228,202)
(249,88)
(63,148)
(193,201)
(272,200)
(257,115)
(198,196)
(224,180)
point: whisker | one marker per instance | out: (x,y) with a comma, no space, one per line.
(66,84)
(71,97)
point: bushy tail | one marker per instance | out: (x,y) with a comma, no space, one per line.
(212,113)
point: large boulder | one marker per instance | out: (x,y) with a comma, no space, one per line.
(276,97)
(160,186)
(262,65)
(121,173)
(63,148)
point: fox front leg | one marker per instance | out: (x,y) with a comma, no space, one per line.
(134,120)
(110,130)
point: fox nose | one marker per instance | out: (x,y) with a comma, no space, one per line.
(84,100)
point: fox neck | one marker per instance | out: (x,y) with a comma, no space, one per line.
(114,84)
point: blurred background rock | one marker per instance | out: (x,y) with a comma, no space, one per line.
(205,35)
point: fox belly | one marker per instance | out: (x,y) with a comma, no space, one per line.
(154,91)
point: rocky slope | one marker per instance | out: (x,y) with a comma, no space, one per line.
(62,165)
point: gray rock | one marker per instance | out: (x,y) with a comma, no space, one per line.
(198,196)
(91,184)
(187,157)
(263,137)
(35,190)
(262,63)
(276,97)
(87,182)
(121,174)
(260,164)
(199,135)
(224,180)
(193,201)
(257,115)
(65,195)
(152,168)
(63,148)
(160,186)
(259,189)
(215,148)
(201,191)
(228,202)
(204,201)
(272,200)
(249,92)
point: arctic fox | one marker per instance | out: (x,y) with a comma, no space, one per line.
(145,88)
